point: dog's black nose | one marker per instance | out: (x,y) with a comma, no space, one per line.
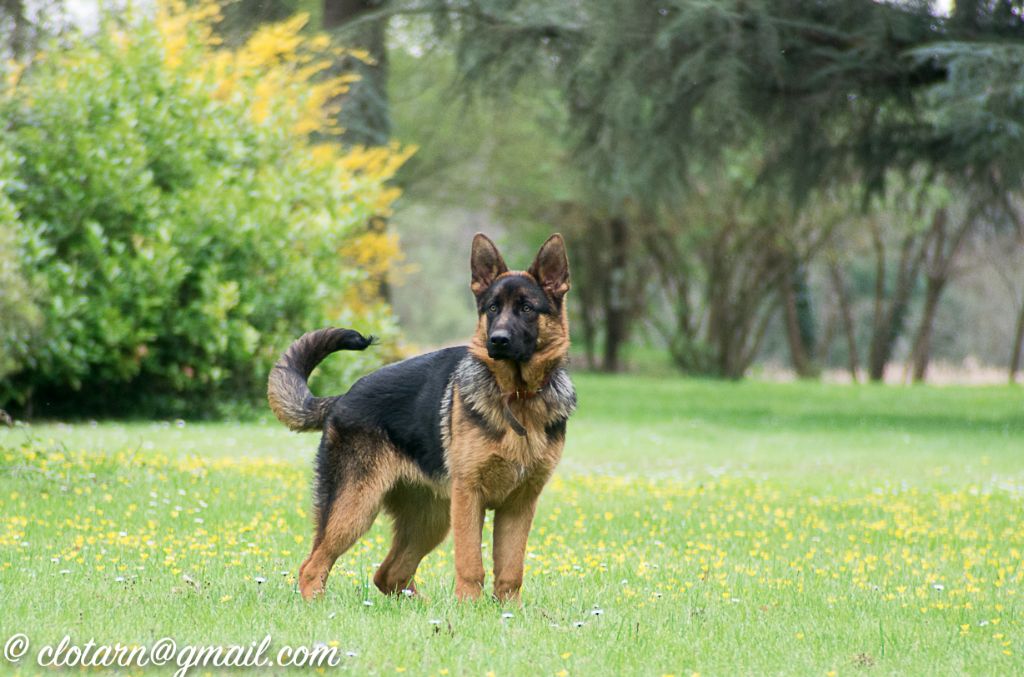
(499,339)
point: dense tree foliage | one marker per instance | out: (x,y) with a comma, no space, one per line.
(719,168)
(834,92)
(844,86)
(655,99)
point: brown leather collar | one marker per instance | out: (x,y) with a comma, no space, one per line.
(523,394)
(520,395)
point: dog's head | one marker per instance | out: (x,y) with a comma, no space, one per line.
(519,312)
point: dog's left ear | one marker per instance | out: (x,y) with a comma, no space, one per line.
(551,267)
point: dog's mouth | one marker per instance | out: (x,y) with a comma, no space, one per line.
(510,354)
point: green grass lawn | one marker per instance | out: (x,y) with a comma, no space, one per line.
(693,527)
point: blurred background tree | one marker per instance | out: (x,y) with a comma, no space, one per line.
(820,185)
(848,93)
(609,119)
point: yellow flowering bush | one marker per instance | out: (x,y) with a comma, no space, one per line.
(183,211)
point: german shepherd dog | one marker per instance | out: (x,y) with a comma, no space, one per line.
(438,439)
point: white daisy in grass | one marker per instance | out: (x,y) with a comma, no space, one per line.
(578,624)
(367,602)
(507,614)
(260,580)
(351,654)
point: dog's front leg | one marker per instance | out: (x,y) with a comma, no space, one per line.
(512,523)
(467,524)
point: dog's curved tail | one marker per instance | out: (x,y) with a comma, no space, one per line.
(287,388)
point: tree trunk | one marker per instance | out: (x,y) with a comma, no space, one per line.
(678,328)
(1018,344)
(853,362)
(942,251)
(18,39)
(876,358)
(922,343)
(798,352)
(583,238)
(744,275)
(758,329)
(889,324)
(365,114)
(615,302)
(965,15)
(589,343)
(588,292)
(895,323)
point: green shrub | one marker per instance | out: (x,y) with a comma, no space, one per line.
(179,226)
(20,318)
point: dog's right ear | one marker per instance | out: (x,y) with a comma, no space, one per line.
(486,264)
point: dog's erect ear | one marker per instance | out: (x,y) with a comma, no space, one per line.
(551,267)
(486,263)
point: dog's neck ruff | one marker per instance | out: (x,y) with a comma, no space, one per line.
(479,390)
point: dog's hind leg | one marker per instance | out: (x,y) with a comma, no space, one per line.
(351,515)
(354,475)
(421,521)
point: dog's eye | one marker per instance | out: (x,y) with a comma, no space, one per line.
(527,308)
(493,308)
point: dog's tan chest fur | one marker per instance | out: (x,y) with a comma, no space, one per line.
(500,463)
